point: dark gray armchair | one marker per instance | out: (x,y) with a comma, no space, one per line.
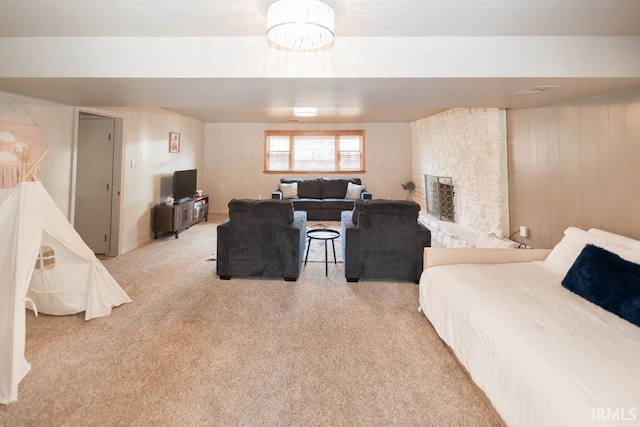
(261,238)
(382,239)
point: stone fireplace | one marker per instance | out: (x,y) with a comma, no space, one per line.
(468,146)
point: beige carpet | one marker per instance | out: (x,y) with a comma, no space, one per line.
(194,350)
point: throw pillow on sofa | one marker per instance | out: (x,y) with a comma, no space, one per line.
(354,191)
(607,280)
(289,191)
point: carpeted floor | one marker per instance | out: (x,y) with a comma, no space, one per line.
(194,350)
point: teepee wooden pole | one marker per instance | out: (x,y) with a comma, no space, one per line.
(28,170)
(18,153)
(20,156)
(31,173)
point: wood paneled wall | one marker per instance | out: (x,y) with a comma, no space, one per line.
(146,143)
(575,164)
(56,122)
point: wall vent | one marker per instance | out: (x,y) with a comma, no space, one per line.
(535,89)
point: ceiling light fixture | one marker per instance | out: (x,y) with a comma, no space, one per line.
(305,111)
(300,25)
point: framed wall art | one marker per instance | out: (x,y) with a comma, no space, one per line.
(174,142)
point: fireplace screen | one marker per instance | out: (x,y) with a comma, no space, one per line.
(440,202)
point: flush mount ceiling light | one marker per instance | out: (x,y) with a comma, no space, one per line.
(305,111)
(300,25)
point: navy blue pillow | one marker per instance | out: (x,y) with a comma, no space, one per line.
(607,280)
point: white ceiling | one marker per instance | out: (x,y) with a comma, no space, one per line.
(354,18)
(400,97)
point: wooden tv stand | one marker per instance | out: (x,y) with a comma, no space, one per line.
(177,217)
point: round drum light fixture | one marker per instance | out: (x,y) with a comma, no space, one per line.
(300,25)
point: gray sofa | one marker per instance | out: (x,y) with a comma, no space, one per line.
(323,199)
(382,239)
(263,238)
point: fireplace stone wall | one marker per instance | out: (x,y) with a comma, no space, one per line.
(470,146)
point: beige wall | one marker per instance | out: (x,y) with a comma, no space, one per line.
(576,164)
(235,160)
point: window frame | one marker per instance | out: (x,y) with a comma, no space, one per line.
(293,133)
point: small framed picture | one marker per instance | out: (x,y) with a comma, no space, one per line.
(174,142)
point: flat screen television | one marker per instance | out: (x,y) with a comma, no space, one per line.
(184,184)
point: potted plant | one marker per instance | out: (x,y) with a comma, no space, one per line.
(410,186)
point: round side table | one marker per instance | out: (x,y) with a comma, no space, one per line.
(327,235)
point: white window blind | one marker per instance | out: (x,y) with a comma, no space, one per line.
(308,151)
(349,151)
(278,153)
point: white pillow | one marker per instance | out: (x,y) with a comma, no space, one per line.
(567,250)
(617,239)
(493,241)
(289,191)
(354,191)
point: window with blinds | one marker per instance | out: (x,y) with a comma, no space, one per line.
(314,151)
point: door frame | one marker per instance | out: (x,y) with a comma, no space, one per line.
(118,170)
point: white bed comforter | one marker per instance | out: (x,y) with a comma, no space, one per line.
(543,355)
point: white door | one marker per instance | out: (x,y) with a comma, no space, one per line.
(94,181)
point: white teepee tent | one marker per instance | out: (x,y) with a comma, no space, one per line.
(43,260)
